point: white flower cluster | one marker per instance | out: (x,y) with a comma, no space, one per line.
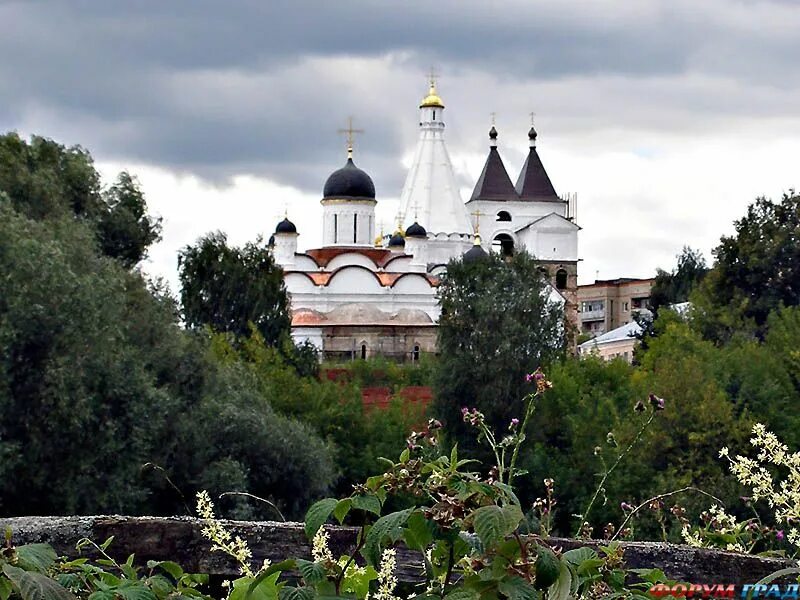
(221,538)
(386,578)
(320,551)
(783,497)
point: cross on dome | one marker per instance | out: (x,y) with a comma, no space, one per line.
(349,131)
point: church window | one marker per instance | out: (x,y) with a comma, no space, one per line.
(415,353)
(363,351)
(434,115)
(335,229)
(504,215)
(355,228)
(561,279)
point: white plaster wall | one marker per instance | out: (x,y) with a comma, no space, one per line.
(350,258)
(344,210)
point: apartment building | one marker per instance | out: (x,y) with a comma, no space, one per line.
(608,304)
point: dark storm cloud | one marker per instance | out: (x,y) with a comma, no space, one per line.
(219,88)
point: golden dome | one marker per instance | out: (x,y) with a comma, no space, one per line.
(432,99)
(379,241)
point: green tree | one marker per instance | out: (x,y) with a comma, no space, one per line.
(97,379)
(756,271)
(497,324)
(45,180)
(676,286)
(229,289)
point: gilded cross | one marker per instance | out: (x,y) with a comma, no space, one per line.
(478,214)
(533,116)
(349,131)
(493,115)
(432,77)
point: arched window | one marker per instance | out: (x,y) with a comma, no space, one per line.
(504,215)
(504,244)
(415,353)
(561,279)
(363,351)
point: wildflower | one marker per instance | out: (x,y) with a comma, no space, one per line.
(514,423)
(529,377)
(548,483)
(386,578)
(611,440)
(220,537)
(779,535)
(639,406)
(656,402)
(434,424)
(319,546)
(625,506)
(597,450)
(723,452)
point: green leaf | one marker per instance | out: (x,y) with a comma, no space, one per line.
(463,594)
(102,595)
(295,593)
(577,555)
(493,523)
(249,588)
(405,455)
(388,526)
(516,588)
(134,590)
(513,516)
(36,557)
(284,565)
(318,514)
(368,504)
(107,543)
(5,588)
(312,572)
(454,457)
(35,586)
(418,533)
(341,510)
(561,589)
(172,569)
(783,572)
(548,568)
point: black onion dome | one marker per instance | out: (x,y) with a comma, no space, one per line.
(397,240)
(349,182)
(474,254)
(271,241)
(286,226)
(532,134)
(493,133)
(416,230)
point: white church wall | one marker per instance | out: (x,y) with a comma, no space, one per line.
(297,283)
(399,264)
(350,259)
(357,280)
(304,263)
(412,283)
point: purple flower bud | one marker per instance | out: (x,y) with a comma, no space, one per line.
(514,422)
(529,377)
(779,535)
(625,506)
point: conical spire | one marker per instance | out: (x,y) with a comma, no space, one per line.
(431,193)
(534,184)
(494,182)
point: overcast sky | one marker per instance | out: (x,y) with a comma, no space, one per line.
(665,117)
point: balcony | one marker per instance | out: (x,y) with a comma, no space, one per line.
(593,315)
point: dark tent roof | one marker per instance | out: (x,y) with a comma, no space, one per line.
(533,182)
(494,182)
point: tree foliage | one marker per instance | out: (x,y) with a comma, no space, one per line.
(229,288)
(757,270)
(45,180)
(497,324)
(676,286)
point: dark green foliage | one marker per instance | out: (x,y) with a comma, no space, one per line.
(231,289)
(496,326)
(97,379)
(757,271)
(45,180)
(676,286)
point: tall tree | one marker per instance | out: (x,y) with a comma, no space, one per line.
(757,270)
(229,288)
(497,324)
(46,180)
(676,286)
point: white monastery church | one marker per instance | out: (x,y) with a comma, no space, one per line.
(360,295)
